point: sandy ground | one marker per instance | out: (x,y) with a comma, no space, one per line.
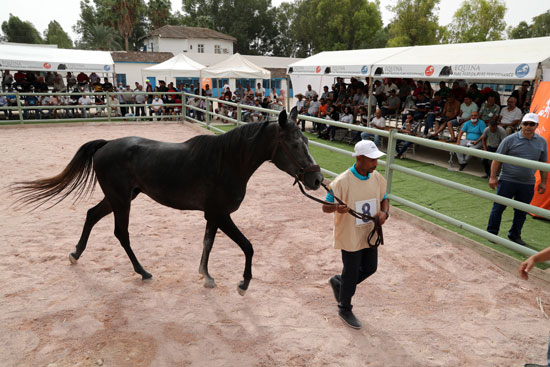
(431,303)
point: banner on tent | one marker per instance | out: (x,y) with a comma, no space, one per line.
(53,66)
(541,106)
(457,71)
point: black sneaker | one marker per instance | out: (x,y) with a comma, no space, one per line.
(517,240)
(462,166)
(335,284)
(349,319)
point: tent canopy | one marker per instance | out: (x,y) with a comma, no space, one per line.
(22,57)
(509,60)
(236,67)
(179,65)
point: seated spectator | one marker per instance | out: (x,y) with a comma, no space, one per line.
(7,80)
(444,91)
(256,116)
(94,78)
(342,99)
(66,101)
(45,101)
(392,105)
(419,89)
(128,98)
(410,127)
(450,112)
(458,92)
(249,92)
(107,85)
(325,94)
(388,87)
(99,101)
(435,113)
(82,80)
(378,91)
(58,84)
(71,81)
(259,93)
(194,113)
(428,90)
(84,101)
(475,94)
(473,128)
(378,122)
(421,108)
(157,106)
(30,101)
(333,115)
(323,108)
(466,109)
(12,101)
(310,92)
(312,110)
(3,105)
(489,110)
(491,138)
(248,101)
(510,116)
(523,96)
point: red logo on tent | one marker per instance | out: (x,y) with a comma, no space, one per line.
(429,70)
(318,69)
(47,65)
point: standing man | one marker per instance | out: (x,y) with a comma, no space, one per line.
(514,181)
(364,189)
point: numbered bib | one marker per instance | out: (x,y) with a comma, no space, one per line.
(367,207)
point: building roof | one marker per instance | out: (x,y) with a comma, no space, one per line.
(267,62)
(135,56)
(172,31)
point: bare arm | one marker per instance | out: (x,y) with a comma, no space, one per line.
(460,133)
(528,264)
(493,180)
(541,189)
(332,208)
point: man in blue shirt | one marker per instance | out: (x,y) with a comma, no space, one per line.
(515,181)
(473,128)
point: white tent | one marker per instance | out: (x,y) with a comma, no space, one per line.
(236,67)
(179,65)
(24,57)
(498,61)
(509,61)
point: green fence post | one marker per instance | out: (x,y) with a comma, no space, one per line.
(207,110)
(239,112)
(390,154)
(183,106)
(19,110)
(108,97)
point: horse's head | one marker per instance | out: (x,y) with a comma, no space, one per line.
(291,153)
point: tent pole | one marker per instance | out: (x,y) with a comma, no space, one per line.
(369,109)
(287,100)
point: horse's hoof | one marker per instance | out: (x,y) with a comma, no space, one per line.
(209,283)
(146,277)
(72,259)
(241,291)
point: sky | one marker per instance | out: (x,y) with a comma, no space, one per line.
(67,12)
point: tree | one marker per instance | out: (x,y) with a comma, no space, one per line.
(478,21)
(99,37)
(415,23)
(127,14)
(16,30)
(541,25)
(284,42)
(55,35)
(158,12)
(251,22)
(322,25)
(522,30)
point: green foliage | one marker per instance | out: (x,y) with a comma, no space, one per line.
(478,21)
(55,35)
(324,25)
(415,23)
(523,30)
(100,37)
(158,12)
(16,30)
(541,25)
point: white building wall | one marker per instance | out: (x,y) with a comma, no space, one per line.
(133,72)
(177,46)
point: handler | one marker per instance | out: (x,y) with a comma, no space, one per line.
(365,189)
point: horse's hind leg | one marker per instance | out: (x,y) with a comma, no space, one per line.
(230,229)
(208,242)
(93,216)
(122,215)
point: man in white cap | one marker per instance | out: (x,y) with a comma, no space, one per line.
(364,190)
(515,181)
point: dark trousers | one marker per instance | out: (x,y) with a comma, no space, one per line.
(402,146)
(516,191)
(487,162)
(358,266)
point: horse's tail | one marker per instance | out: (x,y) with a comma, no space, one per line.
(77,177)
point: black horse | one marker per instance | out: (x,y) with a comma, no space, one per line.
(207,173)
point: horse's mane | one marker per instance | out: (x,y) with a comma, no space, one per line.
(232,145)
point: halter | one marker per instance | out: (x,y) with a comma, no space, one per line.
(302,171)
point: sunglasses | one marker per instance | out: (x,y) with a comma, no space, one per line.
(529,123)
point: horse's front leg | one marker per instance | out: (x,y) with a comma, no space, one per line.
(231,230)
(208,242)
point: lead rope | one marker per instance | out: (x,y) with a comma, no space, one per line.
(376,220)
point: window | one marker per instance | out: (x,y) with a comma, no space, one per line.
(217,49)
(200,48)
(121,79)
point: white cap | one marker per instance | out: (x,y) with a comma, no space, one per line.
(368,149)
(531,117)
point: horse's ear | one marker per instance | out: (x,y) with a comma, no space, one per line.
(294,114)
(283,118)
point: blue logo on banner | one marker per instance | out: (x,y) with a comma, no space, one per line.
(364,69)
(106,68)
(522,70)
